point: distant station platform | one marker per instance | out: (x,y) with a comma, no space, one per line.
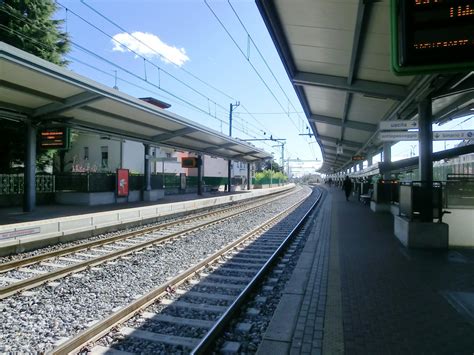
(357,290)
(53,224)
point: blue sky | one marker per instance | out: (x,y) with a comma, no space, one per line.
(188,34)
(213,71)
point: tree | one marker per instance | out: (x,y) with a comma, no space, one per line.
(28,25)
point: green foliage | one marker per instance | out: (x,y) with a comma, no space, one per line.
(264,177)
(30,27)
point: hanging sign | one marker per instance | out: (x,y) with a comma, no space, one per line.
(397,125)
(122,182)
(54,138)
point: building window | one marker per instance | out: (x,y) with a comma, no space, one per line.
(86,153)
(104,156)
(168,155)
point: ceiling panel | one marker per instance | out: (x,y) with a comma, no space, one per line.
(328,130)
(356,135)
(368,109)
(21,98)
(320,13)
(325,101)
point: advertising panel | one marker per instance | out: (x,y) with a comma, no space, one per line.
(122,182)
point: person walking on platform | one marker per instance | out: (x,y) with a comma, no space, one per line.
(347,187)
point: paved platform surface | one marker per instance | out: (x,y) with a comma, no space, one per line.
(12,215)
(361,292)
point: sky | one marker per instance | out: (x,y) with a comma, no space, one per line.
(198,56)
(201,56)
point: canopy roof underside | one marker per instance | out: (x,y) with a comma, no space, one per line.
(34,89)
(337,56)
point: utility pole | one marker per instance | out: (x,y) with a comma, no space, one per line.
(229,162)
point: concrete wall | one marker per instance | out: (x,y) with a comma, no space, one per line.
(461,227)
(133,157)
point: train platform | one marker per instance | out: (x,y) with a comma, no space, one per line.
(357,290)
(11,215)
(49,225)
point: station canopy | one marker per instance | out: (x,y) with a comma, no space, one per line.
(34,89)
(337,56)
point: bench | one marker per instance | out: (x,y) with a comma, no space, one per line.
(365,199)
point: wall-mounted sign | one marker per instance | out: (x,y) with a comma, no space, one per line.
(431,36)
(189,162)
(122,182)
(397,125)
(54,138)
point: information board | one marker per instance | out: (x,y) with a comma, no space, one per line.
(122,182)
(54,138)
(431,36)
(189,162)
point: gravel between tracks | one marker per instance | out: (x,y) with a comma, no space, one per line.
(34,323)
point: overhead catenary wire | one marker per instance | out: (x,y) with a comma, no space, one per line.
(248,60)
(262,57)
(114,23)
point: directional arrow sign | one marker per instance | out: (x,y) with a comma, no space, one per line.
(452,135)
(397,125)
(437,135)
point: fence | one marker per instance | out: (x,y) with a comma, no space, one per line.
(13,184)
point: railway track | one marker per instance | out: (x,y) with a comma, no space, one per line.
(187,313)
(24,274)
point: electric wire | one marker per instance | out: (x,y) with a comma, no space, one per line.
(248,60)
(114,23)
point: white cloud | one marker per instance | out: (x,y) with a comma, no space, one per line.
(149,45)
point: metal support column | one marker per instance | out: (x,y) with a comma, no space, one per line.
(29,192)
(147,168)
(387,157)
(370,160)
(425,160)
(199,168)
(248,177)
(229,162)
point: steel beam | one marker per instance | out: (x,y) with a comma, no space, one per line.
(334,121)
(180,132)
(57,108)
(343,143)
(366,87)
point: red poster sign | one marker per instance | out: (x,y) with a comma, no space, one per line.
(122,182)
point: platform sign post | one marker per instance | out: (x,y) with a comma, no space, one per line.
(122,183)
(432,36)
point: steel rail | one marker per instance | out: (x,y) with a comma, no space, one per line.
(204,345)
(36,281)
(102,327)
(4,267)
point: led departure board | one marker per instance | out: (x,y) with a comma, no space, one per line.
(430,36)
(54,138)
